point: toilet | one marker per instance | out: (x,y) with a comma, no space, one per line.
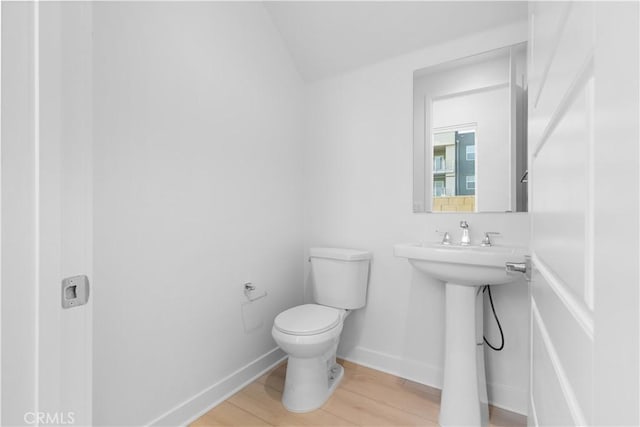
(310,333)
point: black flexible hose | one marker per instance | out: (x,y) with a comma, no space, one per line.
(488,289)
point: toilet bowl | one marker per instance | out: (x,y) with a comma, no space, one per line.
(310,333)
(312,371)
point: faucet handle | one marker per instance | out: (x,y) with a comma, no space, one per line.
(446,237)
(486,241)
(463,224)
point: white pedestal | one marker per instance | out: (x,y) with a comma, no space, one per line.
(464,392)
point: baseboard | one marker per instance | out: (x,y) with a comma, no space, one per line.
(419,372)
(509,398)
(501,396)
(194,407)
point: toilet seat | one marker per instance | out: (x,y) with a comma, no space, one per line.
(308,319)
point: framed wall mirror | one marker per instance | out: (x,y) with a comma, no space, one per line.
(470,134)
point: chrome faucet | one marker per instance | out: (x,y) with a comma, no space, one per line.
(446,237)
(486,241)
(465,240)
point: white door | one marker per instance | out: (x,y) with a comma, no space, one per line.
(46,194)
(584,161)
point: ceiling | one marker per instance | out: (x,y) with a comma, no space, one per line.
(330,37)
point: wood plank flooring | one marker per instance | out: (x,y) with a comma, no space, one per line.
(365,397)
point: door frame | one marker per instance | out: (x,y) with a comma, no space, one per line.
(47,351)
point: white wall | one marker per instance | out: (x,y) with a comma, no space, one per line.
(359,194)
(617,272)
(197,148)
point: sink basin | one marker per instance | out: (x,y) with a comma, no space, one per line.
(464,269)
(463,265)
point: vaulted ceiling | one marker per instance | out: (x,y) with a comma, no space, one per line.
(329,37)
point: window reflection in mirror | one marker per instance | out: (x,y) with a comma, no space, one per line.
(454,170)
(470,142)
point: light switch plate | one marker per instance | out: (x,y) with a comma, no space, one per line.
(75,291)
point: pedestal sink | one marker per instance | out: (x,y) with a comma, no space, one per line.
(465,270)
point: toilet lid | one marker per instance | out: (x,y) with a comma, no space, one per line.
(307,319)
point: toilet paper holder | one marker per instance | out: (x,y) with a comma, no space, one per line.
(250,289)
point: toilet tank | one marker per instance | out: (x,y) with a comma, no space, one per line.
(340,276)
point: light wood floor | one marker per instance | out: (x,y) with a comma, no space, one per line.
(365,397)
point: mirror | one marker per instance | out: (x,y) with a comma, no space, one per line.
(470,134)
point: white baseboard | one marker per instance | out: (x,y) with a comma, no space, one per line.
(410,369)
(509,398)
(501,396)
(194,407)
